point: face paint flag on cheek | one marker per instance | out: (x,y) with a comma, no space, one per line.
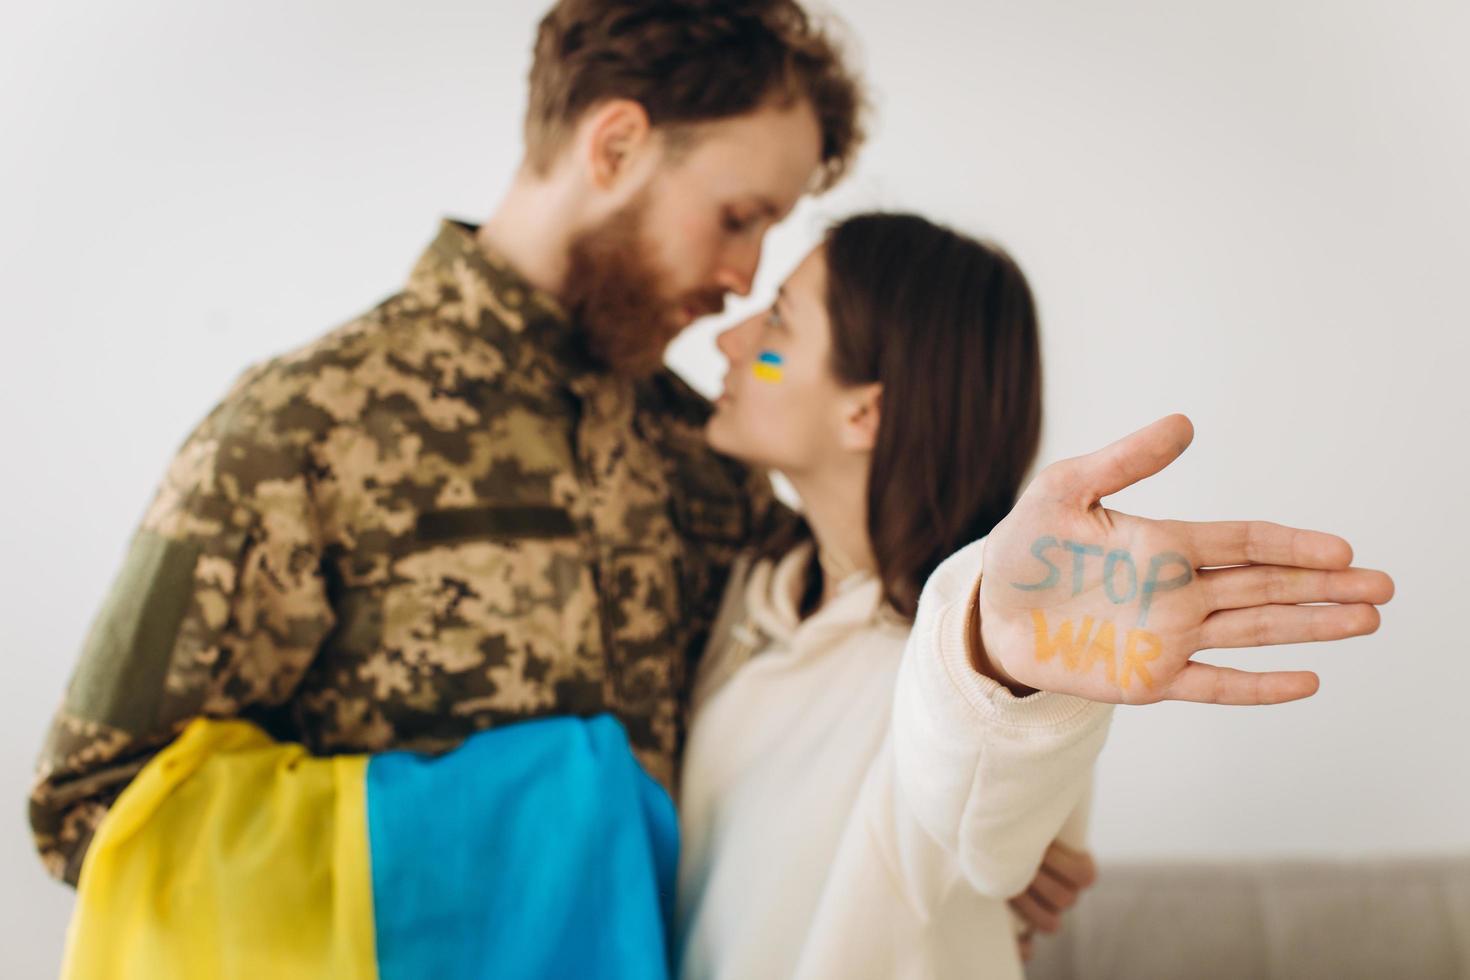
(767,366)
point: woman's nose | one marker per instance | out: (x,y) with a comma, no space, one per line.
(735,341)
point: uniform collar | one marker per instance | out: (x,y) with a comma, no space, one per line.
(479,290)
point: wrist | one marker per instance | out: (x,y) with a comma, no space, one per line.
(982,659)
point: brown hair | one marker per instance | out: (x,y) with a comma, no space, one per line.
(686,62)
(947,325)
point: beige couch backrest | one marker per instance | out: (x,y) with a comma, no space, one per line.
(1380,920)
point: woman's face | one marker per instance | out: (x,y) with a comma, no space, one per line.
(781,407)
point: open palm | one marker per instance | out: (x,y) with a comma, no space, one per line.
(1080,599)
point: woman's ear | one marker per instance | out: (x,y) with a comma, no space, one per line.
(861,413)
(613,137)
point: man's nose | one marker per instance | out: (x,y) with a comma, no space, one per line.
(738,266)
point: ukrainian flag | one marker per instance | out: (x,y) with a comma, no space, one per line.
(541,849)
(767,366)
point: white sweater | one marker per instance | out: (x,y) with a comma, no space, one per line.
(857,801)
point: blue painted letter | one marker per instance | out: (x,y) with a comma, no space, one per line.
(1039,548)
(1113,559)
(1079,552)
(1152,585)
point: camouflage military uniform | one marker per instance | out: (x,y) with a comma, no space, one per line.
(436,519)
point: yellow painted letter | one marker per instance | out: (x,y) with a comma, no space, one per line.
(1071,648)
(1103,648)
(1135,658)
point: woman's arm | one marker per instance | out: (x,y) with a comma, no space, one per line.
(1091,607)
(988,777)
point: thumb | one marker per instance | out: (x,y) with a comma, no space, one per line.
(1132,458)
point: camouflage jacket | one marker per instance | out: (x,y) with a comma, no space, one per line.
(438,518)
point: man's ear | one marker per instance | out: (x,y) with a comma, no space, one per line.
(614,137)
(862,412)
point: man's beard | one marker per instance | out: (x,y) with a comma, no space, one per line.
(613,292)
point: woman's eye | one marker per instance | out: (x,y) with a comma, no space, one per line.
(735,225)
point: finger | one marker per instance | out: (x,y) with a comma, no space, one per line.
(1058,893)
(1014,903)
(1261,626)
(1072,866)
(1123,463)
(1258,585)
(1263,543)
(1027,945)
(1209,684)
(1036,913)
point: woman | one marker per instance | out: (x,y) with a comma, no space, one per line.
(868,776)
(897,383)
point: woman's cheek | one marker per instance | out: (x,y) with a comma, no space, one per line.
(777,403)
(768,368)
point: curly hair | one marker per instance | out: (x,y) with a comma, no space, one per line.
(687,62)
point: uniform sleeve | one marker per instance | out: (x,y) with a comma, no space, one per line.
(219,607)
(981,778)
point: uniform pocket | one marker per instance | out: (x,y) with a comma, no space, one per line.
(475,616)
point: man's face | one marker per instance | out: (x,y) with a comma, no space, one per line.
(691,234)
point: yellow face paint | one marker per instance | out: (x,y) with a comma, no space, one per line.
(767,366)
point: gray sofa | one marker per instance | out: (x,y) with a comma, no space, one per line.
(1378,920)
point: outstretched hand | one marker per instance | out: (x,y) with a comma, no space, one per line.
(1079,599)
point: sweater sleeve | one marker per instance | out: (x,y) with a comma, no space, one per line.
(983,780)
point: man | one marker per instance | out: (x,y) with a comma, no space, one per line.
(484,500)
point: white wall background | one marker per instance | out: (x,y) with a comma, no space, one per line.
(1255,212)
